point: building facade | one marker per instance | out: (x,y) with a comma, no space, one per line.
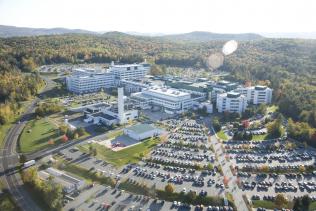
(171,100)
(142,131)
(256,94)
(232,102)
(88,80)
(91,80)
(129,71)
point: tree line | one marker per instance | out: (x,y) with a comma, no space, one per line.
(287,65)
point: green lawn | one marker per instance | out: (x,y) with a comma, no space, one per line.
(88,175)
(264,204)
(269,204)
(312,206)
(122,157)
(37,134)
(222,135)
(259,137)
(7,203)
(114,133)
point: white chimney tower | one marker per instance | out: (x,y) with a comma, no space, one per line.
(120,104)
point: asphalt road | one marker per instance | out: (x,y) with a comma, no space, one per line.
(10,159)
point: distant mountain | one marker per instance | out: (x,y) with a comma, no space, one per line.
(13,31)
(294,35)
(201,36)
(145,34)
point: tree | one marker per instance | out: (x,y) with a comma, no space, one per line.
(64,138)
(210,166)
(169,188)
(275,129)
(264,168)
(94,152)
(191,196)
(216,125)
(90,149)
(302,204)
(280,201)
(302,169)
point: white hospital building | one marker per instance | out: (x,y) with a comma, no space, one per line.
(256,94)
(86,80)
(232,102)
(170,100)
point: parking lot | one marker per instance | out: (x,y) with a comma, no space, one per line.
(289,168)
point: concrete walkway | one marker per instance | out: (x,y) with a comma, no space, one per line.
(232,184)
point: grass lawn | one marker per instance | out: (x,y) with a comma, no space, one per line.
(7,203)
(312,206)
(122,157)
(259,137)
(222,135)
(269,204)
(263,204)
(114,133)
(37,134)
(86,174)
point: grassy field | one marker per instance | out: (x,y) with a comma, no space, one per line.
(129,155)
(259,137)
(222,135)
(88,175)
(7,203)
(312,206)
(269,204)
(114,133)
(37,134)
(264,204)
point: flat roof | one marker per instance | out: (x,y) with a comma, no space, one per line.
(103,115)
(141,128)
(126,65)
(259,87)
(168,91)
(233,94)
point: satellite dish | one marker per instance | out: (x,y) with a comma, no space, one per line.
(230,47)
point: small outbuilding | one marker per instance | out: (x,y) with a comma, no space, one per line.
(142,131)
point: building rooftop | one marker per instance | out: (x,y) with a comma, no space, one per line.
(141,128)
(125,65)
(258,87)
(168,91)
(233,94)
(103,115)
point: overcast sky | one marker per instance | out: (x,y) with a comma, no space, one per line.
(164,16)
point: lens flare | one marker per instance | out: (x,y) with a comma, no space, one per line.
(215,60)
(229,47)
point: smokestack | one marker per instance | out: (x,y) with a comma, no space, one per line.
(120,104)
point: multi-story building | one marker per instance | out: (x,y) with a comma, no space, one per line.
(171,100)
(89,80)
(256,94)
(232,102)
(129,71)
(92,80)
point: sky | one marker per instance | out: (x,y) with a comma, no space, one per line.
(163,16)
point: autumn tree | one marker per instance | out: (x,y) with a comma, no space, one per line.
(169,188)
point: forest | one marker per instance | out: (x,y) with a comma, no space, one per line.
(287,65)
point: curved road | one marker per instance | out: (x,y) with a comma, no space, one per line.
(10,159)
